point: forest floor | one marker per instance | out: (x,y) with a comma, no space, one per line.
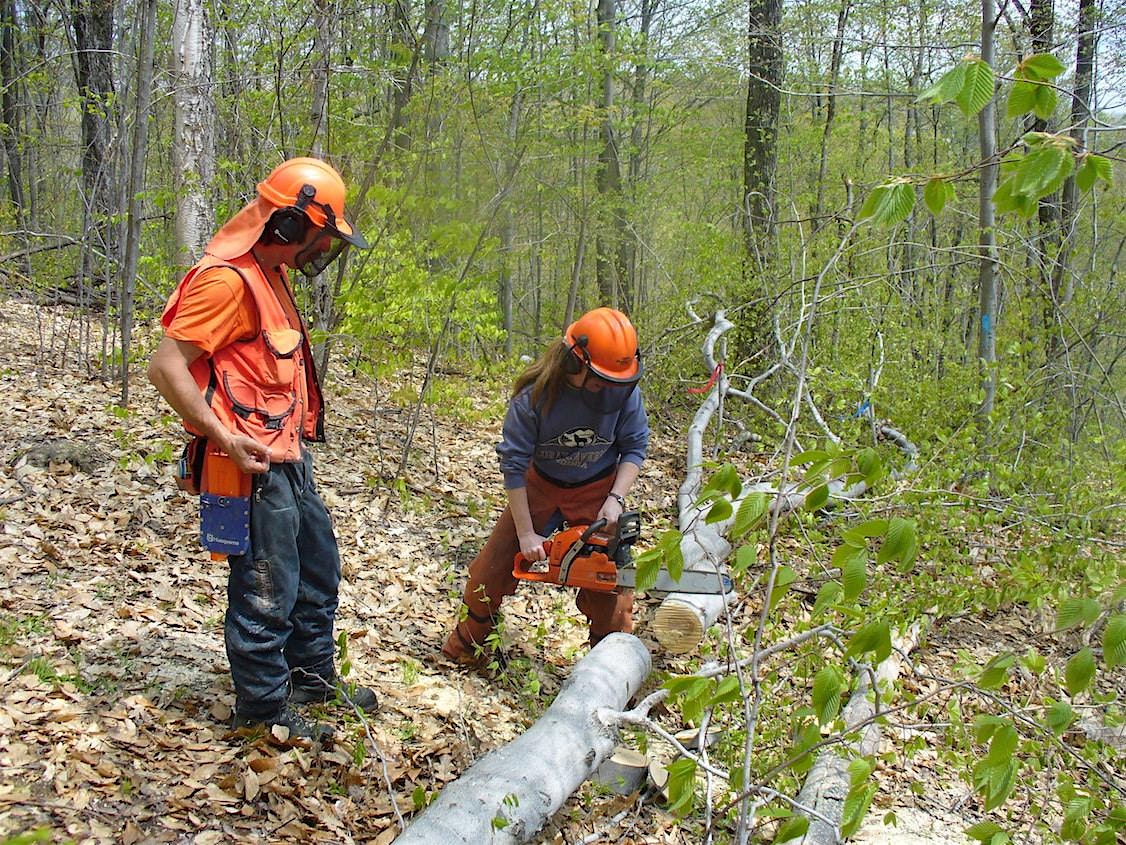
(114,691)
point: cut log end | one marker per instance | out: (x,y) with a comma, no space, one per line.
(679,627)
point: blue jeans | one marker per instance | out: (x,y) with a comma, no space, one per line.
(282,594)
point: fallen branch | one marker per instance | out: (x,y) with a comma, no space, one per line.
(510,793)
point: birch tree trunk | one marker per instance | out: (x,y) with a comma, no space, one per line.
(193,141)
(510,793)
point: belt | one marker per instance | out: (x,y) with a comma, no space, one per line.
(612,468)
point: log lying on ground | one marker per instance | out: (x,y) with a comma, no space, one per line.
(511,792)
(827,786)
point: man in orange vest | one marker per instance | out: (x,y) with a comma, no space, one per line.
(235,363)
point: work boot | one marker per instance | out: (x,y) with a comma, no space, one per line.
(299,727)
(316,691)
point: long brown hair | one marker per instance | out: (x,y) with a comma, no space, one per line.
(546,375)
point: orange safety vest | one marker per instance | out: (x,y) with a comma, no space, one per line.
(265,387)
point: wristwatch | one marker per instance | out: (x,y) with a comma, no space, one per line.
(621,499)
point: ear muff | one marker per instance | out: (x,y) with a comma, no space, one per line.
(578,358)
(291,225)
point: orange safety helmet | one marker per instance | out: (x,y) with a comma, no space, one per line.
(605,341)
(296,191)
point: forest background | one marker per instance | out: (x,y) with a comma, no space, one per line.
(912,214)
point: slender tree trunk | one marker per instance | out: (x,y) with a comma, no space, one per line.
(193,141)
(92,22)
(760,128)
(9,110)
(324,17)
(608,270)
(831,103)
(1062,285)
(143,97)
(987,245)
(403,51)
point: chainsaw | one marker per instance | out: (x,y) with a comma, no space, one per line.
(586,557)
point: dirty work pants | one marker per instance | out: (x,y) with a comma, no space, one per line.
(282,594)
(490,574)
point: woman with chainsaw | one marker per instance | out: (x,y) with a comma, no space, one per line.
(574,439)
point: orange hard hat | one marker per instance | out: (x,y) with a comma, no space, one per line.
(307,184)
(606,342)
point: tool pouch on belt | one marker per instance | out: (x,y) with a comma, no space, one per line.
(189,471)
(224,506)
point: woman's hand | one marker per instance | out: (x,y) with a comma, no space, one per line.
(610,511)
(531,546)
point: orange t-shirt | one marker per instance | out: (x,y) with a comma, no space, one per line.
(215,310)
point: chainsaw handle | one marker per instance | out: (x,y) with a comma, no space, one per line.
(593,527)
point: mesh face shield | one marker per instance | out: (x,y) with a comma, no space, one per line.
(313,259)
(605,397)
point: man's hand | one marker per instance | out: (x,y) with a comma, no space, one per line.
(249,455)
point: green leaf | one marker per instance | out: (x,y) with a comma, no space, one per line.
(1022,99)
(817,497)
(855,807)
(1035,663)
(858,534)
(1042,170)
(977,89)
(648,565)
(1103,166)
(854,575)
(1058,717)
(725,480)
(996,671)
(681,785)
(745,558)
(889,204)
(901,544)
(1003,744)
(1114,641)
(810,456)
(792,828)
(1085,177)
(826,596)
(874,637)
(1079,672)
(799,752)
(1045,105)
(868,460)
(1074,611)
(983,831)
(947,87)
(936,194)
(1042,66)
(985,725)
(752,509)
(827,694)
(782,581)
(719,511)
(727,690)
(673,554)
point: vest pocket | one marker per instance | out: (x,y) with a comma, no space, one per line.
(271,404)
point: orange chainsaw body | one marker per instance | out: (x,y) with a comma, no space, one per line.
(576,557)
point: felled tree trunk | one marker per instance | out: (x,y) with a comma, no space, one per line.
(827,786)
(510,793)
(682,619)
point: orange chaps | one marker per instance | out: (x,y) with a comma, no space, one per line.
(490,574)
